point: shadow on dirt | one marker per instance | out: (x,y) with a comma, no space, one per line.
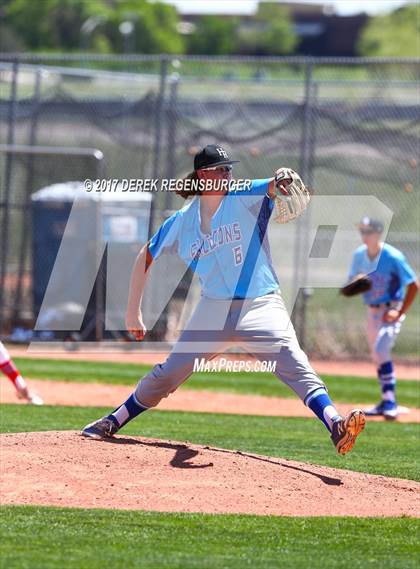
(183,454)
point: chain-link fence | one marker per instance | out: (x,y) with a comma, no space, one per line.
(349,126)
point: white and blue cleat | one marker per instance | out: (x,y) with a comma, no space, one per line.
(101,429)
(387,409)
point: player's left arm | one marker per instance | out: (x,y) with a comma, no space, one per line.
(270,186)
(275,186)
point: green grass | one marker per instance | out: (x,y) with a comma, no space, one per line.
(86,372)
(389,449)
(344,389)
(54,538)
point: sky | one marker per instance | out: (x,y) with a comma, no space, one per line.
(341,7)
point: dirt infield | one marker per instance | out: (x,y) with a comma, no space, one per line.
(357,368)
(100,395)
(65,469)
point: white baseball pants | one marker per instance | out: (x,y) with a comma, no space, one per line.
(381,335)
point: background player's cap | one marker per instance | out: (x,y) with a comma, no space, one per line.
(212,155)
(372,225)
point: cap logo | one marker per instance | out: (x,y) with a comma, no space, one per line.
(222,152)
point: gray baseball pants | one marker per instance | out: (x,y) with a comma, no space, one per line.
(261,326)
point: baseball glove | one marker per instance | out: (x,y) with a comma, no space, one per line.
(358,285)
(292,196)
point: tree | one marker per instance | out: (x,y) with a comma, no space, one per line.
(154,26)
(9,40)
(270,33)
(214,35)
(393,35)
(85,24)
(49,24)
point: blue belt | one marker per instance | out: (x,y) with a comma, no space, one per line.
(379,305)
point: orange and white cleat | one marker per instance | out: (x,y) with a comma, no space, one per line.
(345,431)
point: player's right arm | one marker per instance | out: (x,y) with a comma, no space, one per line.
(134,319)
(409,280)
(165,239)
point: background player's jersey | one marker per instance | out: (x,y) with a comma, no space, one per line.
(390,274)
(234,260)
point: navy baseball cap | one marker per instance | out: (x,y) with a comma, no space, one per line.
(212,155)
(372,225)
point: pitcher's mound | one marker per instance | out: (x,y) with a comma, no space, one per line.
(65,469)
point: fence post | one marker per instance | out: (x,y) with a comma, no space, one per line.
(4,240)
(29,187)
(302,224)
(100,281)
(309,180)
(157,146)
(172,116)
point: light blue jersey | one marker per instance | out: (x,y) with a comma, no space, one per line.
(390,274)
(233,261)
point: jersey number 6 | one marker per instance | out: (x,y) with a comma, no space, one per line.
(237,255)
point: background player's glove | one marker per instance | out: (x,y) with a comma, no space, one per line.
(292,196)
(358,285)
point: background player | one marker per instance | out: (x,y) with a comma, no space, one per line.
(394,287)
(221,235)
(8,368)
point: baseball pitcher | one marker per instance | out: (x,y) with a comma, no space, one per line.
(221,235)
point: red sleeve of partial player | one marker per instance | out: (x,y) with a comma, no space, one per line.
(149,258)
(9,369)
